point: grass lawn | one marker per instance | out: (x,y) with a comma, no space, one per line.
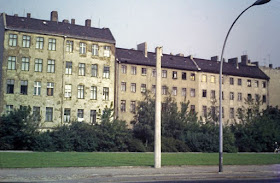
(102,159)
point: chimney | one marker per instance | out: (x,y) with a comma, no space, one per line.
(54,16)
(88,23)
(28,15)
(233,61)
(65,21)
(143,47)
(244,60)
(16,15)
(256,64)
(180,54)
(215,58)
(73,21)
(270,66)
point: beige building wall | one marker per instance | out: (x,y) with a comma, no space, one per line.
(274,84)
(58,101)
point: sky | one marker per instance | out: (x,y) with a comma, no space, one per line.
(191,27)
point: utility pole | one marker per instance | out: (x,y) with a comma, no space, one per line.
(157,146)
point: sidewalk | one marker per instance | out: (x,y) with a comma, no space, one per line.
(139,174)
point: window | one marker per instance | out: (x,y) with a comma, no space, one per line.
(256,83)
(36,113)
(68,91)
(37,88)
(133,70)
(239,82)
(154,73)
(69,46)
(49,114)
(249,83)
(213,112)
(23,87)
(38,66)
(124,68)
(204,93)
(25,64)
(184,75)
(10,85)
(213,94)
(231,96)
(39,43)
(257,97)
(239,97)
(174,75)
(50,87)
(83,47)
(9,108)
(94,70)
(133,87)
(80,114)
(26,41)
(132,106)
(67,115)
(153,89)
(192,109)
(106,72)
(212,79)
(106,93)
(93,116)
(231,113)
(163,107)
(222,95)
(12,40)
(93,92)
(51,66)
(164,90)
(184,92)
(123,105)
(204,111)
(11,63)
(143,88)
(164,74)
(144,71)
(52,44)
(264,98)
(107,51)
(264,84)
(192,77)
(174,91)
(68,68)
(94,50)
(249,97)
(204,78)
(231,81)
(81,91)
(192,92)
(82,68)
(123,86)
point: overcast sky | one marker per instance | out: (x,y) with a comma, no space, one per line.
(196,27)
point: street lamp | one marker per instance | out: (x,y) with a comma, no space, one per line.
(258,2)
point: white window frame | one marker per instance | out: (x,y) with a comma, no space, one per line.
(50,88)
(25,64)
(68,91)
(81,91)
(40,43)
(38,65)
(83,48)
(93,92)
(82,68)
(26,41)
(52,44)
(37,88)
(95,50)
(12,63)
(51,66)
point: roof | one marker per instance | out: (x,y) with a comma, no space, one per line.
(137,57)
(59,28)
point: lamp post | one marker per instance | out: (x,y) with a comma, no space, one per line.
(258,2)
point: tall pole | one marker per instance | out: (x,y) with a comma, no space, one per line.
(157,147)
(258,2)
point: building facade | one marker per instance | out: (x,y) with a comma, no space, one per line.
(187,79)
(274,84)
(63,71)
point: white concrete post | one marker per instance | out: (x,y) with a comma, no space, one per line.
(157,146)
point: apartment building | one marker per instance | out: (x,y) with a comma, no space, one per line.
(274,84)
(63,71)
(187,79)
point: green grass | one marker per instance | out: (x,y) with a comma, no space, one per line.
(102,159)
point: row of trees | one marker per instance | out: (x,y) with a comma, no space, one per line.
(182,131)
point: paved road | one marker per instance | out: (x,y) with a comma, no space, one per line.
(264,173)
